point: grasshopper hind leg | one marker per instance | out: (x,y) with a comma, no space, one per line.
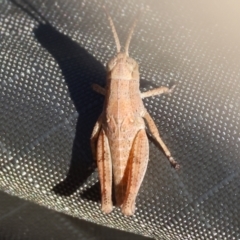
(104,164)
(138,161)
(154,131)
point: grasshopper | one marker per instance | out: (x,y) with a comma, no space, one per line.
(119,141)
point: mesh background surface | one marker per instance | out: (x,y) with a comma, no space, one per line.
(50,54)
(24,220)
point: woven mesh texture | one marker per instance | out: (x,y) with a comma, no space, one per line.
(52,51)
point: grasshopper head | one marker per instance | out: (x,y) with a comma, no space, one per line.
(123,67)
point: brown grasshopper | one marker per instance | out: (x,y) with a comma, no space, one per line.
(119,140)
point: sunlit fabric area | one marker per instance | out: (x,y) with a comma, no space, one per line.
(52,52)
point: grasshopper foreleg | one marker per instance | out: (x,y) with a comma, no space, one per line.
(157,91)
(97,88)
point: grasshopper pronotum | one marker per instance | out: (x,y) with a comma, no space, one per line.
(119,140)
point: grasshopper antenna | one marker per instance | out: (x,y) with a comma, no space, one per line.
(130,33)
(113,30)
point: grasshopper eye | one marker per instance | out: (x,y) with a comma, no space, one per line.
(111,64)
(131,64)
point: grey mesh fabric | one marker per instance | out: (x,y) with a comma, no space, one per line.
(50,54)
